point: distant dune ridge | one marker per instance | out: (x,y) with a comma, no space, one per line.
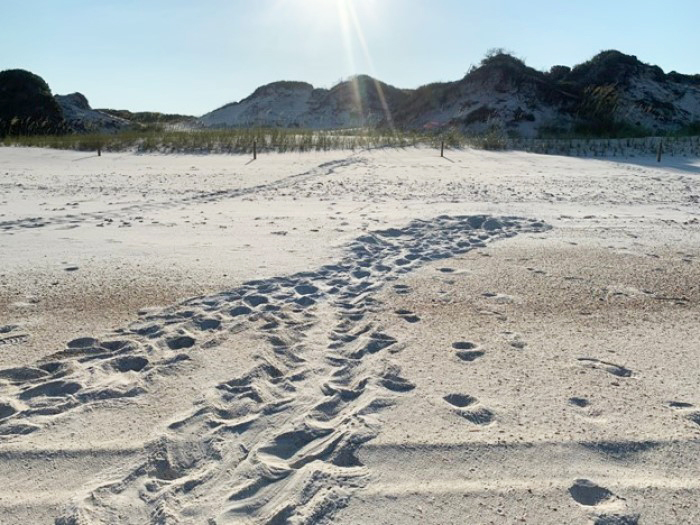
(81,117)
(612,93)
(360,102)
(610,90)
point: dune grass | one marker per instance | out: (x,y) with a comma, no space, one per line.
(223,141)
(241,141)
(684,146)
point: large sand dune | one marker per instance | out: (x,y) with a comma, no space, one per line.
(376,337)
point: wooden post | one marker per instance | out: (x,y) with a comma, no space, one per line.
(255,149)
(99,151)
(442,148)
(661,150)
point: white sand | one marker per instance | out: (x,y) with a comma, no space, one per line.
(384,367)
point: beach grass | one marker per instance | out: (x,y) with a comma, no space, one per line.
(242,141)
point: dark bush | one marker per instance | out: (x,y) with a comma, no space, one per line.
(27,106)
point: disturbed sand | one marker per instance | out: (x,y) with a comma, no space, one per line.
(375,337)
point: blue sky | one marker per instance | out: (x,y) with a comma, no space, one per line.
(193,56)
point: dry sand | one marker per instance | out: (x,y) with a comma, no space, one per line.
(377,337)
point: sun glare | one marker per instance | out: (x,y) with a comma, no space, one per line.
(353,32)
(353,36)
(346,20)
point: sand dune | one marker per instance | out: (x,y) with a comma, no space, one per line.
(376,337)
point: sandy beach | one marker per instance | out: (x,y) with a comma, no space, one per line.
(369,337)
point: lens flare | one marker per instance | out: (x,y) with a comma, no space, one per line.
(320,13)
(351,29)
(351,13)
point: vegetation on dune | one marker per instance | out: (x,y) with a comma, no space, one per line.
(149,120)
(504,67)
(225,141)
(590,91)
(27,105)
(611,67)
(488,107)
(242,141)
(423,99)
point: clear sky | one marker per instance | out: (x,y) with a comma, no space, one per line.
(192,56)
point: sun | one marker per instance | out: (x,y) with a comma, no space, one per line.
(345,19)
(326,13)
(341,19)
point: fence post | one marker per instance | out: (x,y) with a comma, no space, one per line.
(442,148)
(661,150)
(99,151)
(255,149)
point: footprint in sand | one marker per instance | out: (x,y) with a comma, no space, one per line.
(611,368)
(467,351)
(588,494)
(460,400)
(179,342)
(129,363)
(402,289)
(207,323)
(694,417)
(21,374)
(499,298)
(679,405)
(254,300)
(7,409)
(470,409)
(580,402)
(13,339)
(407,316)
(391,379)
(515,340)
(240,310)
(146,328)
(687,409)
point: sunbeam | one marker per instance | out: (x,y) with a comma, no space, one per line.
(349,17)
(344,18)
(351,13)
